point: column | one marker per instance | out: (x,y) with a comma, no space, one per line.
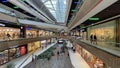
(22,31)
(37,33)
(118,32)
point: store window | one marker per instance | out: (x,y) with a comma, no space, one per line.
(18,52)
(48,41)
(42,33)
(43,43)
(12,53)
(105,32)
(31,33)
(7,33)
(3,57)
(53,40)
(37,44)
(92,61)
(33,46)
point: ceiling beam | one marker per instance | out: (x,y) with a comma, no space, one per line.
(101,6)
(30,10)
(43,25)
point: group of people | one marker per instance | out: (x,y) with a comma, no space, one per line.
(93,39)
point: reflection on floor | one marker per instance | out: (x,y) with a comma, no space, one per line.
(60,60)
(76,59)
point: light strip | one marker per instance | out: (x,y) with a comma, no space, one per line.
(2,24)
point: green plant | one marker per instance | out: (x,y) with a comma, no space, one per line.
(47,54)
(11,65)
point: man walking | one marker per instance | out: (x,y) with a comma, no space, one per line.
(91,38)
(95,39)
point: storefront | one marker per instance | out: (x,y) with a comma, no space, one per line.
(51,33)
(105,32)
(3,57)
(47,33)
(12,53)
(53,40)
(43,43)
(92,61)
(30,33)
(13,33)
(17,52)
(41,33)
(33,46)
(77,33)
(48,41)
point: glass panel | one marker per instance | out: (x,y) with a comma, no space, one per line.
(57,8)
(44,1)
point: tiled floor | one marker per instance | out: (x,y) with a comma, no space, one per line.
(56,61)
(76,59)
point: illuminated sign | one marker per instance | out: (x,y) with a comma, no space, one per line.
(22,50)
(94,18)
(28,28)
(4,0)
(15,7)
(74,10)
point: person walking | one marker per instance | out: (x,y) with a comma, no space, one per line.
(8,36)
(91,38)
(95,39)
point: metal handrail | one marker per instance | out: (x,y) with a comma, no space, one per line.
(26,59)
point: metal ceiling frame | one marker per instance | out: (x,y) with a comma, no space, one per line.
(101,6)
(41,7)
(30,10)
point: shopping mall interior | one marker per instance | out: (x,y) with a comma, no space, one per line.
(59,34)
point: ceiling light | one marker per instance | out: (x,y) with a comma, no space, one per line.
(2,24)
(94,18)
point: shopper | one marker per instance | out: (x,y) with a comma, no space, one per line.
(8,36)
(95,39)
(13,36)
(58,53)
(73,48)
(91,38)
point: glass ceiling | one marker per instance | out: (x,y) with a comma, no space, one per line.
(57,8)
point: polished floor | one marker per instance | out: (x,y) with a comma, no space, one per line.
(57,61)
